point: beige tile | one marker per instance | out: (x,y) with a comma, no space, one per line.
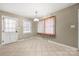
(36,46)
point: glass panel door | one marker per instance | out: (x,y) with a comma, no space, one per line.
(9,31)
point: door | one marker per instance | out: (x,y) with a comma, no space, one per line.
(9,30)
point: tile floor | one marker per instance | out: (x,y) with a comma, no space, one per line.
(35,46)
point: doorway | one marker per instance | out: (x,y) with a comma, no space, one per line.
(9,30)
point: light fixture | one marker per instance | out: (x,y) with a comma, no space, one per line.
(36,19)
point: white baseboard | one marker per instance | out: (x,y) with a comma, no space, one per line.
(63,45)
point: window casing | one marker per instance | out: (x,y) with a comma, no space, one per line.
(41,27)
(50,26)
(26,26)
(47,26)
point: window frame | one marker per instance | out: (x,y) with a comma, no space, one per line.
(7,20)
(24,26)
(54,19)
(42,23)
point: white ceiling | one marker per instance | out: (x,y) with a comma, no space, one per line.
(28,9)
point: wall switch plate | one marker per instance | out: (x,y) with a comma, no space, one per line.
(72,26)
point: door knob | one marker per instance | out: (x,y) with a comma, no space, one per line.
(16,31)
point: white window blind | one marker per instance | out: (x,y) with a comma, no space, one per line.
(47,26)
(50,26)
(26,26)
(41,27)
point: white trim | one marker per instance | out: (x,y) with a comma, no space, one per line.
(63,45)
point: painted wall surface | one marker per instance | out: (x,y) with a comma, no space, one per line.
(64,19)
(21,35)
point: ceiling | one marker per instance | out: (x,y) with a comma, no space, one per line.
(28,9)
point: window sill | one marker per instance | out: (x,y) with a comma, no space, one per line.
(49,34)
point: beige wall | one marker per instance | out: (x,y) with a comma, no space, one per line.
(65,18)
(21,35)
(26,35)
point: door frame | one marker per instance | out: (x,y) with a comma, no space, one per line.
(2,20)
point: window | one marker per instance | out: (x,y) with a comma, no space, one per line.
(47,26)
(50,26)
(9,24)
(41,27)
(26,26)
